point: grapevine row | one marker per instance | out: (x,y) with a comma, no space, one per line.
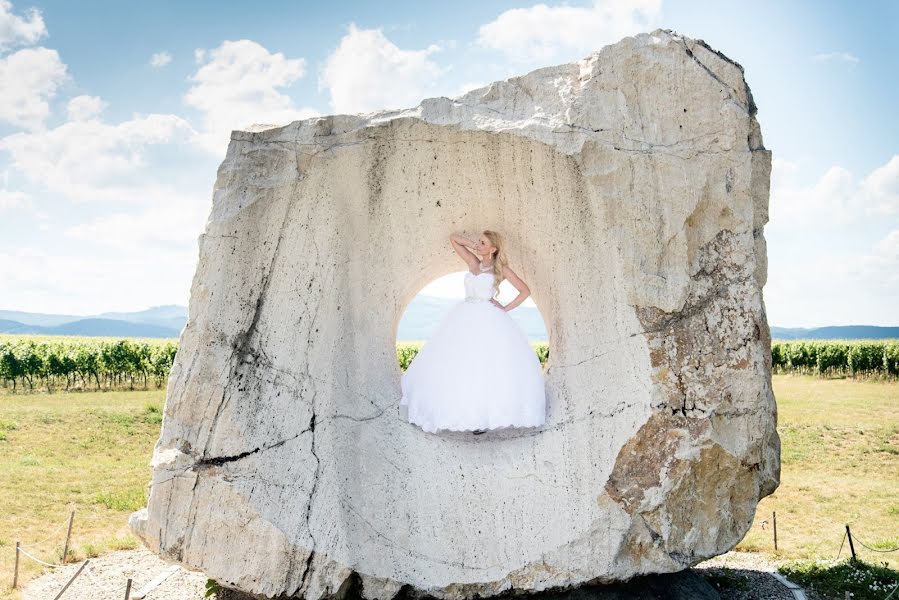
(91,363)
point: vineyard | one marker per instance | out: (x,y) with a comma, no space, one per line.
(878,358)
(83,363)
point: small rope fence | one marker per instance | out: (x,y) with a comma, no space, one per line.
(20,550)
(36,559)
(856,538)
(52,535)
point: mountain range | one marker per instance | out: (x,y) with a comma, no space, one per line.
(417,323)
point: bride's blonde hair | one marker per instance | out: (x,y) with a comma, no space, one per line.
(499,257)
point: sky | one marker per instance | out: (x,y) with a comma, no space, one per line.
(115,116)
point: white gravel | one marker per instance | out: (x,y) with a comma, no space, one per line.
(750,574)
(105,576)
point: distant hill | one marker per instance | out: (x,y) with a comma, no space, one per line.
(171,316)
(92,327)
(157,322)
(425,312)
(835,332)
(417,323)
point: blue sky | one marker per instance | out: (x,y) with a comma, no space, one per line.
(115,116)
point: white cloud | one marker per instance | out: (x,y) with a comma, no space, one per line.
(29,78)
(880,190)
(18,201)
(367,72)
(834,286)
(93,160)
(138,250)
(83,282)
(145,170)
(836,200)
(11,199)
(239,85)
(845,57)
(160,59)
(827,203)
(543,33)
(881,267)
(824,268)
(84,108)
(172,221)
(15,30)
(199,55)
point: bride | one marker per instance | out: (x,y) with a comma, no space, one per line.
(477,371)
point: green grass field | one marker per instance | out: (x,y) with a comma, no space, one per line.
(840,465)
(87,452)
(90,452)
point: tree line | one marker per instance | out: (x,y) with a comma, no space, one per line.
(836,358)
(102,364)
(84,363)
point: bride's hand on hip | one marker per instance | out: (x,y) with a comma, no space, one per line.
(496,303)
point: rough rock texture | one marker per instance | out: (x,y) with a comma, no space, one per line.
(632,187)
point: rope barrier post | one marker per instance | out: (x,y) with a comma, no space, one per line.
(15,574)
(851,545)
(128,589)
(77,573)
(65,550)
(774,518)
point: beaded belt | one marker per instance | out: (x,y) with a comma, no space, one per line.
(475,299)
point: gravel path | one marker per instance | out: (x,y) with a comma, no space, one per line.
(742,576)
(105,577)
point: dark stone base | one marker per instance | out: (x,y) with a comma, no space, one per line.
(684,585)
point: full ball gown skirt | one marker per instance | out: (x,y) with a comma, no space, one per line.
(477,370)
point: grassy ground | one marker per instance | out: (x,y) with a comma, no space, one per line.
(90,452)
(87,452)
(839,466)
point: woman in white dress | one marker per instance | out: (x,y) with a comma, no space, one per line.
(477,371)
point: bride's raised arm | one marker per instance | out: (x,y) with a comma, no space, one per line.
(460,245)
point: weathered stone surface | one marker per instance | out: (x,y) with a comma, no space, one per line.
(632,187)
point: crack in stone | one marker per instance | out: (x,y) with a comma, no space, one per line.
(315,477)
(591,414)
(240,344)
(731,93)
(207,462)
(580,127)
(306,568)
(752,107)
(594,357)
(359,419)
(672,144)
(410,551)
(527,476)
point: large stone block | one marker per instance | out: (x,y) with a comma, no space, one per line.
(632,187)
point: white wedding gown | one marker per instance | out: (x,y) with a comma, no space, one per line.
(476,371)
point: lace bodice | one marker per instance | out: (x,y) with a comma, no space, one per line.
(478,288)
